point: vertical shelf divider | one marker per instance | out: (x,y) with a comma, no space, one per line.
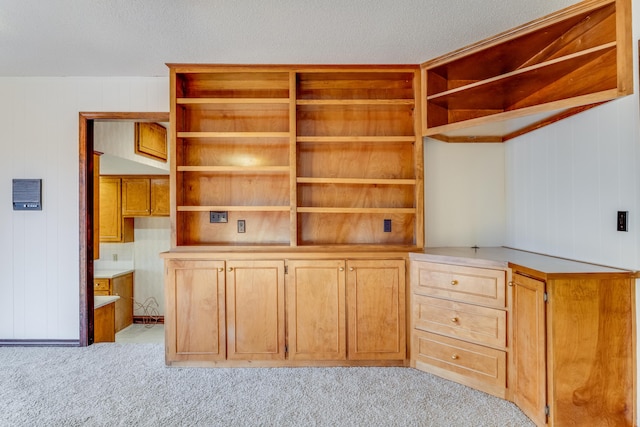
(293,163)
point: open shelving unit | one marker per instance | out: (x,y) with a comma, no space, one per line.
(306,156)
(530,76)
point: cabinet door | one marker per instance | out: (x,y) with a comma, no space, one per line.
(255,310)
(159,196)
(316,322)
(529,347)
(376,310)
(194,311)
(110,208)
(135,197)
(96,205)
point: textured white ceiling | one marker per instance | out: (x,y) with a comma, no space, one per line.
(137,37)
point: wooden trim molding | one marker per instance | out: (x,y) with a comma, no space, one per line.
(86,120)
(40,343)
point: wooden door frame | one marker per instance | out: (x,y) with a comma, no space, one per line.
(86,122)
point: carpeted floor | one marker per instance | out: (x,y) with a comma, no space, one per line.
(129,385)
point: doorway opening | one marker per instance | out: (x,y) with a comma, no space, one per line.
(87,215)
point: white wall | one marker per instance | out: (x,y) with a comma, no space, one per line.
(464,194)
(39,255)
(566,182)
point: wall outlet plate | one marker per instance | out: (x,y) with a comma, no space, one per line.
(241,226)
(387,226)
(218,216)
(623,223)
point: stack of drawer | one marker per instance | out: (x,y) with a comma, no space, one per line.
(459,319)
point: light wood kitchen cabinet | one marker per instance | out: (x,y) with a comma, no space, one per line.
(255,310)
(376,310)
(316,310)
(195,321)
(459,324)
(113,227)
(122,286)
(573,347)
(145,196)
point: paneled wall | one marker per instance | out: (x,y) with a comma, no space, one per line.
(39,256)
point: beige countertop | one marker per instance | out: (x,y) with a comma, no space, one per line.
(502,258)
(110,273)
(102,300)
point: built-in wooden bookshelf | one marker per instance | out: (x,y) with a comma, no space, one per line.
(305,156)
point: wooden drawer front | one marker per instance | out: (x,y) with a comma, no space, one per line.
(468,284)
(101,285)
(483,325)
(100,293)
(467,363)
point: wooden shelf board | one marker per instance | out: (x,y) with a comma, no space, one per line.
(532,68)
(279,169)
(309,180)
(216,101)
(498,127)
(381,139)
(355,102)
(233,134)
(286,208)
(356,210)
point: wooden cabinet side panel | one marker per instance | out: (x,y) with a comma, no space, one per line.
(316,321)
(591,349)
(123,287)
(376,310)
(194,311)
(529,347)
(255,310)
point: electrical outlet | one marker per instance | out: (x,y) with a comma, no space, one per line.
(622,221)
(387,226)
(241,225)
(218,216)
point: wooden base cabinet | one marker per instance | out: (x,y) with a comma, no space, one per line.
(574,358)
(232,312)
(121,286)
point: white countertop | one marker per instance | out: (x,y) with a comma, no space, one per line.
(102,300)
(110,273)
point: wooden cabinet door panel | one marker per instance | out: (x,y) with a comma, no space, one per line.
(529,348)
(135,197)
(159,196)
(255,310)
(376,310)
(316,320)
(195,312)
(110,210)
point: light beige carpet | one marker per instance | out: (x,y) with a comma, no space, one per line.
(129,385)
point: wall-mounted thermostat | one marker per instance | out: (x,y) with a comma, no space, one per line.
(27,194)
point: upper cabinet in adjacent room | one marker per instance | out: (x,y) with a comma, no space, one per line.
(530,76)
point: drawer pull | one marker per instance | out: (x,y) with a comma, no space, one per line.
(220,269)
(455,356)
(454,319)
(454,282)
